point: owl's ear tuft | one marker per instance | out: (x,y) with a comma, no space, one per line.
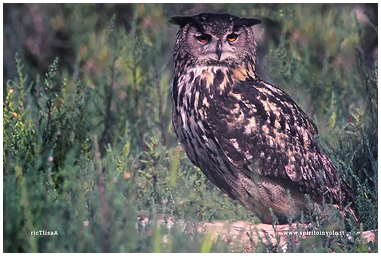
(181,20)
(247,22)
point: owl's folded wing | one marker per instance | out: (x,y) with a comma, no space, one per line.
(257,123)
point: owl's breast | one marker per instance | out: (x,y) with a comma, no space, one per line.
(193,94)
(195,90)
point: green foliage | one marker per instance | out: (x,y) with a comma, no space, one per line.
(91,148)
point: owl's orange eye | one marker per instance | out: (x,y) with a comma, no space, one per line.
(204,38)
(232,37)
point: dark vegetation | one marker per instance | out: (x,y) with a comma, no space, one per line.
(88,146)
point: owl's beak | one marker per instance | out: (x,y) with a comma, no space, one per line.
(219,49)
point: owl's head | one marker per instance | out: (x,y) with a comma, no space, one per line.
(214,39)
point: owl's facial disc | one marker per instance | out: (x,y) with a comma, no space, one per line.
(215,48)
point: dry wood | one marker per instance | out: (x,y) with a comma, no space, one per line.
(242,234)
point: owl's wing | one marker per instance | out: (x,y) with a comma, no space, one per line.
(257,123)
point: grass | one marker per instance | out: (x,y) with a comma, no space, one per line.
(88,146)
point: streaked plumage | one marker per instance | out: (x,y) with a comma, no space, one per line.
(248,137)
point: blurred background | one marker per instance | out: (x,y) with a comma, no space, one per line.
(41,32)
(87,120)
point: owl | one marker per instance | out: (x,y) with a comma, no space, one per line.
(247,136)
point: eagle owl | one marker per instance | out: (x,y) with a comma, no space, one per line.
(248,137)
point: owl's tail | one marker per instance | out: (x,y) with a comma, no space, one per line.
(347,200)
